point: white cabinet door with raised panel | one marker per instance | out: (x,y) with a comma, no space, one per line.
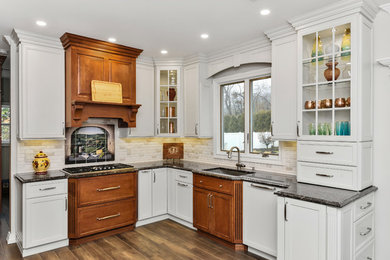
(144,194)
(304,230)
(41,92)
(171,178)
(191,100)
(184,201)
(160,191)
(46,221)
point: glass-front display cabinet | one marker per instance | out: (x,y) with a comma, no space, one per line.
(168,93)
(326,84)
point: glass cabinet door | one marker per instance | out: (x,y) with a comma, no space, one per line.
(326,82)
(168,101)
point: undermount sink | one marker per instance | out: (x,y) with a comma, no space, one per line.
(228,171)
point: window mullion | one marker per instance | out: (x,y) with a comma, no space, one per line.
(247,117)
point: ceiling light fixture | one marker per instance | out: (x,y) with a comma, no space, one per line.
(204,36)
(111,39)
(265,12)
(41,23)
(164,51)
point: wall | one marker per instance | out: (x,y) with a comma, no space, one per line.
(381,135)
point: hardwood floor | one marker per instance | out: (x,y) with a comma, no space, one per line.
(162,240)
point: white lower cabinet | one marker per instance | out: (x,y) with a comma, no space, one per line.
(183,201)
(259,219)
(310,231)
(42,216)
(159,191)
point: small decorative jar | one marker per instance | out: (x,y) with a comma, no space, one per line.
(41,163)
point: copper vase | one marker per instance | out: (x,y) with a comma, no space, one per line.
(328,73)
(172,94)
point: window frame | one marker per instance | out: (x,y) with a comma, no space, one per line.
(245,155)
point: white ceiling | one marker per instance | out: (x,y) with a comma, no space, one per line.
(152,25)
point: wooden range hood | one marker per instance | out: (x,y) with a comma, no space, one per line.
(89,59)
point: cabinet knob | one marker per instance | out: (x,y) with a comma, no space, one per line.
(200,181)
(220,185)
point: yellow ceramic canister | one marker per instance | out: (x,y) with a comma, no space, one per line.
(41,163)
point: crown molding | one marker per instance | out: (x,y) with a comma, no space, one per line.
(335,11)
(259,43)
(168,61)
(27,37)
(144,60)
(280,32)
(384,61)
(195,58)
(386,7)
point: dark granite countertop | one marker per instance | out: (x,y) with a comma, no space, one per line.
(32,177)
(323,195)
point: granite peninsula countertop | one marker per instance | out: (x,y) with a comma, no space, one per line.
(290,188)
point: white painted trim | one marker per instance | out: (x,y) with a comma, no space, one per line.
(168,62)
(193,59)
(386,7)
(143,60)
(28,37)
(338,10)
(384,61)
(280,32)
(151,220)
(245,155)
(43,248)
(260,253)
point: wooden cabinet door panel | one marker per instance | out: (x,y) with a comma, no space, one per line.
(123,72)
(201,209)
(222,216)
(90,67)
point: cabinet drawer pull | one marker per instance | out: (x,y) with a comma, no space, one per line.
(108,217)
(109,188)
(181,184)
(183,176)
(211,201)
(200,181)
(220,185)
(324,175)
(368,230)
(208,200)
(320,152)
(369,204)
(49,188)
(262,187)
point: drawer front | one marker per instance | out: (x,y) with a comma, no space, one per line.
(99,218)
(106,188)
(46,188)
(183,176)
(367,252)
(328,175)
(364,230)
(214,184)
(344,154)
(364,206)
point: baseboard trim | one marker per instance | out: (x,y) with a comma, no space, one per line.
(260,253)
(43,248)
(164,217)
(11,238)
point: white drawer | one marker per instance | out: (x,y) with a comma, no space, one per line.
(363,230)
(367,252)
(46,188)
(343,177)
(333,153)
(364,205)
(183,176)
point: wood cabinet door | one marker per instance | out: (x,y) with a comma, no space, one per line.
(305,230)
(222,218)
(89,65)
(123,71)
(201,209)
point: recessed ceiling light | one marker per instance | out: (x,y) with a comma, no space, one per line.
(164,51)
(41,23)
(204,36)
(265,12)
(111,39)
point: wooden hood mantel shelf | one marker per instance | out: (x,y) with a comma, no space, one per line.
(89,59)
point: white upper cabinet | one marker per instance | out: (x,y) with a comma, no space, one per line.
(197,101)
(168,101)
(284,83)
(335,80)
(41,86)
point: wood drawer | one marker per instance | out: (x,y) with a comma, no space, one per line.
(363,230)
(46,188)
(344,177)
(107,188)
(333,153)
(364,206)
(183,176)
(99,218)
(367,252)
(214,184)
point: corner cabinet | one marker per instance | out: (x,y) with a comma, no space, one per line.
(41,86)
(168,101)
(197,101)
